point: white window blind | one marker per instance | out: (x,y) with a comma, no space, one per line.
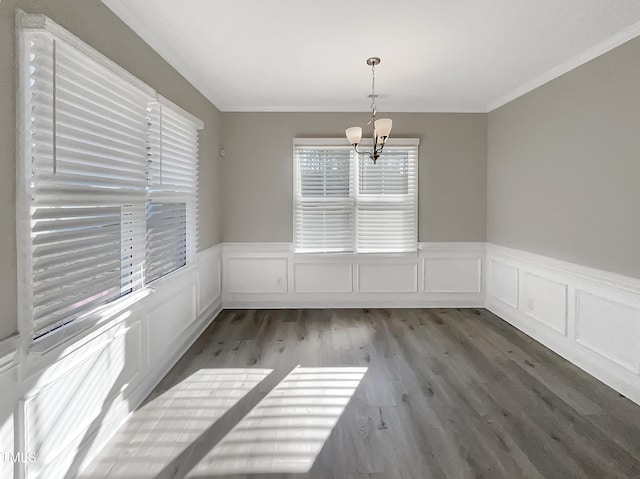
(388,201)
(324,201)
(345,203)
(87,179)
(171,240)
(108,180)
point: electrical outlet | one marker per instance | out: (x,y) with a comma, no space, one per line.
(531,304)
(279,282)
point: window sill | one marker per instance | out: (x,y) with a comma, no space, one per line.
(75,332)
(350,254)
(172,276)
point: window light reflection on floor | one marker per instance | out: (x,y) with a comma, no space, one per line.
(158,432)
(286,431)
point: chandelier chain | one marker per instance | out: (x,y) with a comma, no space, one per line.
(373,89)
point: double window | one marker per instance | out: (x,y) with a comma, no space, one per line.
(346,203)
(108,189)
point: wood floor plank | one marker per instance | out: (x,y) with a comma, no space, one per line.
(449,393)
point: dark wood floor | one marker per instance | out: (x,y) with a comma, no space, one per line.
(448,394)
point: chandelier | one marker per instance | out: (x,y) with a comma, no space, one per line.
(381,127)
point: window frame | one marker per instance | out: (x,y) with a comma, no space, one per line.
(61,332)
(354,193)
(191,199)
(351,199)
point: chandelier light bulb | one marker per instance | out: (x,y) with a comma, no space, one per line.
(383,127)
(354,134)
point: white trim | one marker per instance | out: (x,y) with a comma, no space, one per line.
(23,198)
(247,247)
(576,271)
(602,336)
(565,67)
(343,142)
(73,333)
(373,301)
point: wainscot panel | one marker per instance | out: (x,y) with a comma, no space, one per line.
(256,275)
(608,328)
(209,278)
(588,316)
(388,278)
(503,282)
(322,278)
(453,275)
(271,275)
(175,313)
(544,300)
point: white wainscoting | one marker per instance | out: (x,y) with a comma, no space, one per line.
(64,402)
(271,275)
(590,317)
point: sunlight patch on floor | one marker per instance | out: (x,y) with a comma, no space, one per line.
(157,433)
(286,431)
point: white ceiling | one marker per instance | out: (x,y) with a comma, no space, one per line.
(437,55)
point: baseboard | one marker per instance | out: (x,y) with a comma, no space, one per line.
(358,303)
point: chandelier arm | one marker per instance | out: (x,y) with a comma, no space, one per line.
(372,155)
(355,148)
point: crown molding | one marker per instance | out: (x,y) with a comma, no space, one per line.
(571,64)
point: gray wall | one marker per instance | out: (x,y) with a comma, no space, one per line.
(96,25)
(564,166)
(258,169)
